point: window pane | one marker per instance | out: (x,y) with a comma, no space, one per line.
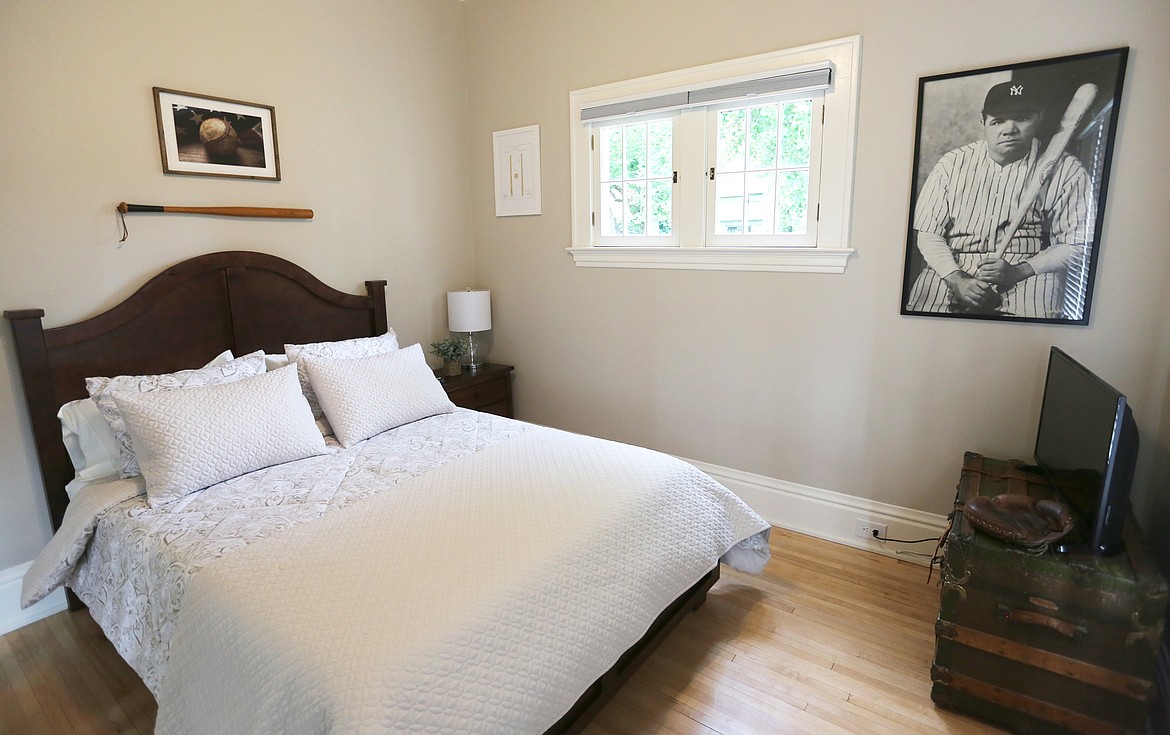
(792,203)
(611,153)
(661,148)
(796,137)
(731,140)
(762,124)
(729,203)
(636,151)
(759,212)
(635,208)
(660,204)
(613,206)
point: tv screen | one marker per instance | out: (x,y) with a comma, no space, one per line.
(1087,444)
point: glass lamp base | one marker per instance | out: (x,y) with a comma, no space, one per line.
(477,347)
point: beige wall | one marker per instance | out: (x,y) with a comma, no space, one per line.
(814,379)
(371,113)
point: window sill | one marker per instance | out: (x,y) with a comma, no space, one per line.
(795,260)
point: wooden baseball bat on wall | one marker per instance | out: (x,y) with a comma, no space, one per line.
(275,212)
(272,212)
(1045,164)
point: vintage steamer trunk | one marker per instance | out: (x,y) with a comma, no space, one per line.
(1042,643)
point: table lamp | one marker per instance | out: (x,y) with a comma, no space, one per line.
(469,315)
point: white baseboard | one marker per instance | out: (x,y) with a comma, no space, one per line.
(830,515)
(11,616)
(820,513)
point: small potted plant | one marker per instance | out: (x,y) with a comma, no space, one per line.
(451,351)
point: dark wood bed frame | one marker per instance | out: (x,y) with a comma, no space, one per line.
(192,311)
(179,319)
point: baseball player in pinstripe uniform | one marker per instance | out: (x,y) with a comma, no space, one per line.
(965,207)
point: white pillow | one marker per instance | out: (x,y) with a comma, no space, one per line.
(343,349)
(101,389)
(363,396)
(222,358)
(274,362)
(189,439)
(89,439)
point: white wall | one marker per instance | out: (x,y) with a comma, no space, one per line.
(815,379)
(370,105)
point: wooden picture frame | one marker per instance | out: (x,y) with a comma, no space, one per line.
(200,135)
(1011,169)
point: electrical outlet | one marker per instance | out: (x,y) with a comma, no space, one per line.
(866,529)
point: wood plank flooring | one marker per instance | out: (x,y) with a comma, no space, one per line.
(828,640)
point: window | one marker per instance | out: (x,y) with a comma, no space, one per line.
(762,189)
(635,180)
(743,165)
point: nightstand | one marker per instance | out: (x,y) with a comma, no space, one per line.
(488,389)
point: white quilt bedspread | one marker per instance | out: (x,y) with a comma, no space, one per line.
(481,595)
(130,563)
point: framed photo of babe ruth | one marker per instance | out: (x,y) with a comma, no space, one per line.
(1011,169)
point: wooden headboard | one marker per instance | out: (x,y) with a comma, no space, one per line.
(179,319)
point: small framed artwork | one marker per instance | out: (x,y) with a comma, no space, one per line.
(517,170)
(213,136)
(1011,169)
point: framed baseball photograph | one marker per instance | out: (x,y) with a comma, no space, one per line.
(213,136)
(1007,199)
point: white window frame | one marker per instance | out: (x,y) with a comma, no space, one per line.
(637,240)
(829,254)
(806,239)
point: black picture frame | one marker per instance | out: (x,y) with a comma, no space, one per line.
(966,209)
(241,145)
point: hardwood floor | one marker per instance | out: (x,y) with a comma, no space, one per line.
(60,675)
(828,640)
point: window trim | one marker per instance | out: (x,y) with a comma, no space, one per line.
(715,258)
(830,254)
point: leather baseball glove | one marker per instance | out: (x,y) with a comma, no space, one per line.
(1019,519)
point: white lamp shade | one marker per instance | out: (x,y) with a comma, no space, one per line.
(469,311)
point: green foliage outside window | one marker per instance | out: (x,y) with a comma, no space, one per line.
(764,151)
(637,166)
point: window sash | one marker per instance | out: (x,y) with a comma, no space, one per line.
(808,238)
(700,220)
(600,184)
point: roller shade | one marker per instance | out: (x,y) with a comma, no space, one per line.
(632,107)
(804,81)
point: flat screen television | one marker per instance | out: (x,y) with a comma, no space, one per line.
(1087,445)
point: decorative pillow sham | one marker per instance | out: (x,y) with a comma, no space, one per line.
(364,396)
(101,390)
(342,349)
(89,439)
(186,440)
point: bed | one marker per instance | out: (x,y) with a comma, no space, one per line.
(365,586)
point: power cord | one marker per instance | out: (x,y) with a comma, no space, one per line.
(917,554)
(903,541)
